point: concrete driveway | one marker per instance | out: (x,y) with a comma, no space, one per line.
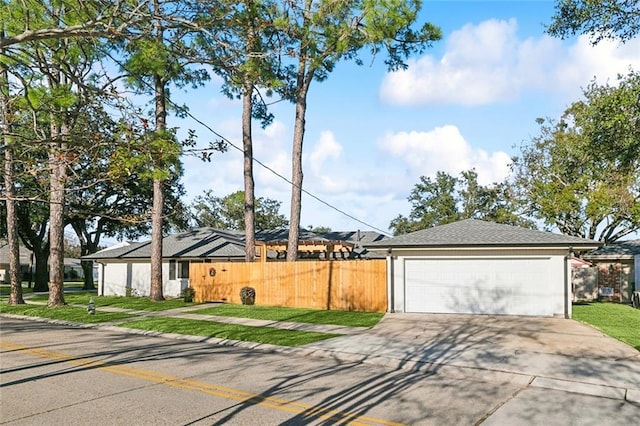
(546,352)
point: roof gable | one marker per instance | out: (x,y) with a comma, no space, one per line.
(473,232)
(628,248)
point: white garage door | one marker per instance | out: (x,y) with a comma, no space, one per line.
(500,286)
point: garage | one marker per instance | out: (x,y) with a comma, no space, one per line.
(495,285)
(478,267)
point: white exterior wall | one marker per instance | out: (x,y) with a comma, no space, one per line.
(116,277)
(554,292)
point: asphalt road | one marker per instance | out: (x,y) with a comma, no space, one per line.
(58,375)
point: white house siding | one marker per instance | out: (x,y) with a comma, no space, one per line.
(115,278)
(489,281)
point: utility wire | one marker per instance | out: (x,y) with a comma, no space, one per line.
(227,141)
(315,197)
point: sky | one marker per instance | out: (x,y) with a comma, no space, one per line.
(468,102)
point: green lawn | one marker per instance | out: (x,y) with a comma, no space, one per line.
(137,303)
(268,335)
(312,316)
(64,313)
(5,289)
(619,321)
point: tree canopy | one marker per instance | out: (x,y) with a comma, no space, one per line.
(581,174)
(228,212)
(447,199)
(600,19)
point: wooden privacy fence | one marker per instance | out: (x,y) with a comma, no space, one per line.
(328,284)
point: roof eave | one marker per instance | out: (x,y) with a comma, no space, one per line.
(577,247)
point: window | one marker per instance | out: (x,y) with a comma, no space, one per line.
(178,269)
(184,269)
(172,269)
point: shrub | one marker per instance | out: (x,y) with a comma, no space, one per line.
(188,294)
(248,295)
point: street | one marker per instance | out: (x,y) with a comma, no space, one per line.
(61,375)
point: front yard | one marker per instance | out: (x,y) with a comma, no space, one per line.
(621,322)
(135,316)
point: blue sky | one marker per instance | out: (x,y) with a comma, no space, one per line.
(468,102)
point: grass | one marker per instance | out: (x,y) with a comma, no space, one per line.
(64,313)
(137,303)
(312,316)
(268,335)
(5,289)
(619,321)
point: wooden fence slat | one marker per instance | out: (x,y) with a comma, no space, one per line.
(329,284)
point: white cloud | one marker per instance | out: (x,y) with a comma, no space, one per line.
(488,63)
(445,149)
(327,148)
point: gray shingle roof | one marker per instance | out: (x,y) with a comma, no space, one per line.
(472,232)
(216,243)
(618,249)
(25,253)
(201,242)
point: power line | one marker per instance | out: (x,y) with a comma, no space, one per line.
(227,141)
(315,197)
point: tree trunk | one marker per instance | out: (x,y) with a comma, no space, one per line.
(12,229)
(56,219)
(87,246)
(155,291)
(296,162)
(15,297)
(156,242)
(41,274)
(249,187)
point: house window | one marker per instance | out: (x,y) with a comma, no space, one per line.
(172,269)
(184,269)
(178,269)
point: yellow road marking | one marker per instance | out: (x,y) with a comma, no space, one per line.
(215,390)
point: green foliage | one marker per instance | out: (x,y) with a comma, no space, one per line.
(447,199)
(609,117)
(619,321)
(600,19)
(581,174)
(228,212)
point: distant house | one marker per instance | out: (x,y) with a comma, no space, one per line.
(125,269)
(618,270)
(25,261)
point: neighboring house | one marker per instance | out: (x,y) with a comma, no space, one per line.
(73,269)
(125,269)
(25,261)
(617,273)
(478,267)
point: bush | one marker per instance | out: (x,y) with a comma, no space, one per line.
(248,295)
(188,294)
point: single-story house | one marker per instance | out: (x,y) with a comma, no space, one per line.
(72,267)
(25,261)
(125,269)
(617,270)
(479,267)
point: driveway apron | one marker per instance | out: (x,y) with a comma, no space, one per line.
(548,352)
